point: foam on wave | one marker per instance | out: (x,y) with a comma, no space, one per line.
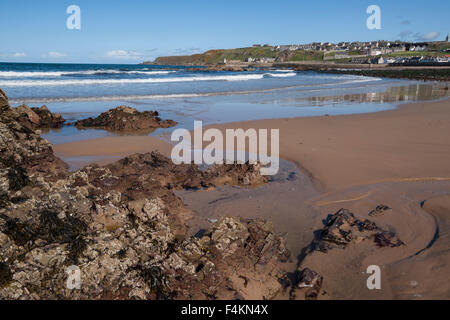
(34,83)
(26,74)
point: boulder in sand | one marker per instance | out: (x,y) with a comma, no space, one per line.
(125,118)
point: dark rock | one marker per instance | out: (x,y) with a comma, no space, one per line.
(124,118)
(21,147)
(37,118)
(343,228)
(379,210)
(17,178)
(311,280)
(3,99)
(48,119)
(338,228)
(387,239)
(5,274)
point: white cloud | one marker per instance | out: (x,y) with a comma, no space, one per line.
(54,54)
(13,55)
(124,54)
(18,54)
(427,36)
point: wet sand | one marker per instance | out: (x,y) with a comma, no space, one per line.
(106,150)
(399,158)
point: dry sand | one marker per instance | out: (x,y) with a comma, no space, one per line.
(400,158)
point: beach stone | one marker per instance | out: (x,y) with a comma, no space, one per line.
(125,118)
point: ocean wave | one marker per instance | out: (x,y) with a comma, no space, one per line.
(308,88)
(38,83)
(281,75)
(115,97)
(16,74)
(26,74)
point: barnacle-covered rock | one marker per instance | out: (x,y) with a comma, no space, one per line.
(121,229)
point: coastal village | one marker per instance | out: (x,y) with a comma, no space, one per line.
(373,52)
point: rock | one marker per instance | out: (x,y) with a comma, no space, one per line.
(48,119)
(141,176)
(124,118)
(343,228)
(387,239)
(235,174)
(30,118)
(35,118)
(5,274)
(3,99)
(123,227)
(311,280)
(21,147)
(379,210)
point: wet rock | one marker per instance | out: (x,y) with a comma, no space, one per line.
(387,239)
(343,228)
(48,119)
(36,118)
(125,118)
(27,117)
(21,147)
(379,210)
(234,174)
(3,99)
(5,274)
(123,227)
(17,178)
(310,280)
(338,228)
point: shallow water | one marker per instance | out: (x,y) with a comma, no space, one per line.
(283,201)
(282,103)
(79,91)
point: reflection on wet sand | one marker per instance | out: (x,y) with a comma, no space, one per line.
(414,92)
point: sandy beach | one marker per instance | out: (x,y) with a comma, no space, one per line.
(398,158)
(410,142)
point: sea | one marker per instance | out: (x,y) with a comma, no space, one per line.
(184,94)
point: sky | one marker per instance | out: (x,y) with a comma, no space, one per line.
(133,31)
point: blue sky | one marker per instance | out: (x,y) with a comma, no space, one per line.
(131,31)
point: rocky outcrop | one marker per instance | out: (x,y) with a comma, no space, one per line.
(38,118)
(124,118)
(122,227)
(22,151)
(311,281)
(141,176)
(343,228)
